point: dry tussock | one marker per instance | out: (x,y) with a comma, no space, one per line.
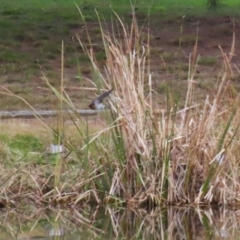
(186,155)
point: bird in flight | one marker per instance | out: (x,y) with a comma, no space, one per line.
(97,103)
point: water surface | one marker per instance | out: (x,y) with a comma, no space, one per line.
(113,223)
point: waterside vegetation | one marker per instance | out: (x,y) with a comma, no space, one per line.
(140,155)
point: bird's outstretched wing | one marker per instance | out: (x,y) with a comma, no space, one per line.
(99,99)
(102,96)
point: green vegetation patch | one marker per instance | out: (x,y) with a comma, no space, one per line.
(26,143)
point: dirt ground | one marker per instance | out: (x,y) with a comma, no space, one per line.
(172,41)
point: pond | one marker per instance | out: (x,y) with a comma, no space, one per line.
(115,223)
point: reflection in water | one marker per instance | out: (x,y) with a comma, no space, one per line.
(112,223)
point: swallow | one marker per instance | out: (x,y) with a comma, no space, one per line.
(97,103)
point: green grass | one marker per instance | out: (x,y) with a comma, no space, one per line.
(27,143)
(106,6)
(208,61)
(46,4)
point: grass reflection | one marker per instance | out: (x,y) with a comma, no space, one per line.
(110,223)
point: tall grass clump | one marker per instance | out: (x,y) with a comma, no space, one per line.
(143,156)
(187,155)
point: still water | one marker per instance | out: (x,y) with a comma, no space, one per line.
(112,223)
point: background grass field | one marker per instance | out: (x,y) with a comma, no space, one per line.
(32,32)
(166,3)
